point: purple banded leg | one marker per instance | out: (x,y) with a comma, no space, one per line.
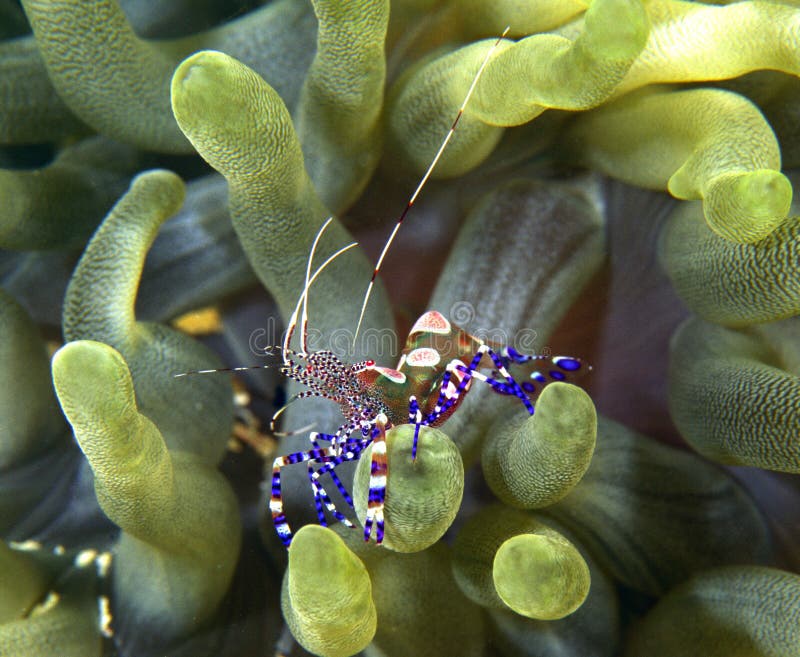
(508,387)
(515,388)
(555,368)
(321,498)
(509,355)
(328,467)
(318,490)
(318,502)
(563,363)
(377,481)
(443,404)
(276,500)
(336,447)
(445,400)
(417,427)
(415,418)
(497,386)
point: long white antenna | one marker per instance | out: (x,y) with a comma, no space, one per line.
(425,178)
(292,322)
(304,296)
(302,300)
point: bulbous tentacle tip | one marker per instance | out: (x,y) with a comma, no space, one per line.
(504,558)
(327,595)
(200,94)
(199,74)
(423,495)
(747,207)
(90,376)
(537,462)
(237,122)
(559,571)
(159,188)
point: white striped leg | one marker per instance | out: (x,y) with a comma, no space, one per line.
(448,397)
(377,481)
(449,394)
(509,386)
(321,455)
(351,455)
(337,443)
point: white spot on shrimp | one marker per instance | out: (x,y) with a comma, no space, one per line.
(423,357)
(431,322)
(393,375)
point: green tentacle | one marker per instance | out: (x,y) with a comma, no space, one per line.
(195,414)
(699,144)
(733,394)
(181,527)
